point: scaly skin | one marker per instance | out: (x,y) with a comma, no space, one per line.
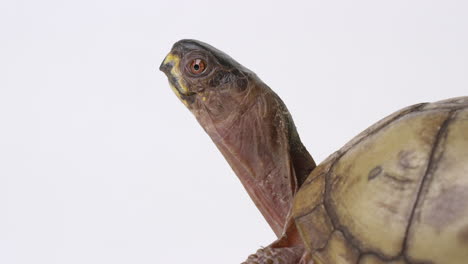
(276,256)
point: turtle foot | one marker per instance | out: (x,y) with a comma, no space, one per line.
(284,255)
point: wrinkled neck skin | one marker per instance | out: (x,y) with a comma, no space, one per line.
(255,132)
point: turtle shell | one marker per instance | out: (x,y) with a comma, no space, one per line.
(396,193)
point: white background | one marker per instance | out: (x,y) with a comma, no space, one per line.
(101,163)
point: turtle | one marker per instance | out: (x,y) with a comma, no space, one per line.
(397,193)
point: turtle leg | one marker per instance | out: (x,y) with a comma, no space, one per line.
(270,255)
(288,249)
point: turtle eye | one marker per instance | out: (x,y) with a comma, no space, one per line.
(197,66)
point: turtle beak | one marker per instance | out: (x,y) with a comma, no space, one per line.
(170,66)
(168,63)
(166,67)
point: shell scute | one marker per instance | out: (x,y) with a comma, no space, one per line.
(441,215)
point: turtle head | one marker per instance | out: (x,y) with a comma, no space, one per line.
(205,78)
(246,120)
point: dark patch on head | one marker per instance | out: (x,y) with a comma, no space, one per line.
(241,83)
(237,73)
(374,173)
(236,79)
(219,78)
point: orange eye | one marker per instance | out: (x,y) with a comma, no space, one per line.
(197,66)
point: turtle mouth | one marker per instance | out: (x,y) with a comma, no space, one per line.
(170,66)
(174,82)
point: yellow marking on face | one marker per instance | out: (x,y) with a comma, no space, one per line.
(204,98)
(177,93)
(175,72)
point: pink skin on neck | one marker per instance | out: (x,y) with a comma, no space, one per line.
(255,140)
